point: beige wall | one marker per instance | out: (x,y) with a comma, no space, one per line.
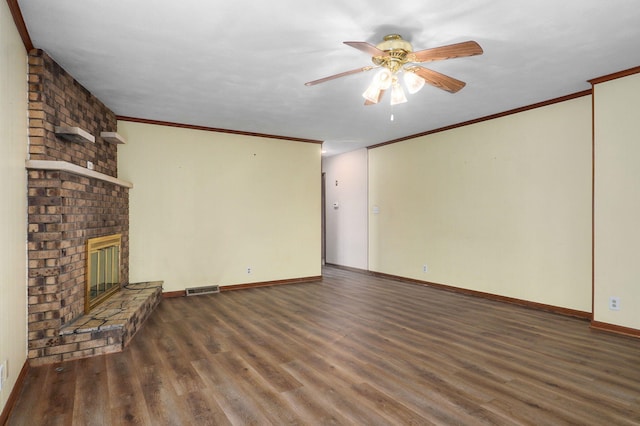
(501,206)
(617,200)
(13,209)
(346,225)
(206,206)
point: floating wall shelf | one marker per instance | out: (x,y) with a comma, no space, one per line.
(112,137)
(74,134)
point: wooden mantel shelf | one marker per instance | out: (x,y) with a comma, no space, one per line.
(75,169)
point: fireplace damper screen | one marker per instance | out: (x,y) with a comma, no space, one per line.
(103,269)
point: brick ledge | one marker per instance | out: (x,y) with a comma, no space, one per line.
(75,169)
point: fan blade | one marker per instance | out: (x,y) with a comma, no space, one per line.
(458,50)
(366,48)
(436,79)
(342,74)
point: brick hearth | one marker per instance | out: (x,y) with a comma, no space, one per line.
(110,326)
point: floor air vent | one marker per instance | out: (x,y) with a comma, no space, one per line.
(196,291)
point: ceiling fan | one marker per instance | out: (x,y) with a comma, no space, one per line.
(395,55)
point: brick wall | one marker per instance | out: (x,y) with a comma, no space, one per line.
(66,209)
(57,99)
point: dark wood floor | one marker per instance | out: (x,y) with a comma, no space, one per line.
(353,349)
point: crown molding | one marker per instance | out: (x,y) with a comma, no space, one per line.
(619,74)
(20,25)
(214,129)
(489,117)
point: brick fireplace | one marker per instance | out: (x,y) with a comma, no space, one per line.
(73,195)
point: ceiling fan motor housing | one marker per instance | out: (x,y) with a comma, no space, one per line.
(396,49)
(394,42)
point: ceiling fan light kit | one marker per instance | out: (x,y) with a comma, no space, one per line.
(395,55)
(413,82)
(372,94)
(397,94)
(382,80)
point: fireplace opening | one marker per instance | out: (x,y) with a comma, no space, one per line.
(103,269)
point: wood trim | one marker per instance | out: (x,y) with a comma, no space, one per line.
(511,300)
(593,201)
(488,117)
(15,392)
(213,129)
(270,283)
(182,293)
(349,268)
(615,75)
(612,328)
(20,26)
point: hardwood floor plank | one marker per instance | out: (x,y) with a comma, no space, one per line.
(204,409)
(351,349)
(158,392)
(206,325)
(58,395)
(417,383)
(332,395)
(311,409)
(127,408)
(272,405)
(180,333)
(229,394)
(177,367)
(388,406)
(35,397)
(92,396)
(580,408)
(265,359)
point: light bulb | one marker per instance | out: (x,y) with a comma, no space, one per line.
(383,79)
(397,94)
(413,82)
(381,82)
(372,94)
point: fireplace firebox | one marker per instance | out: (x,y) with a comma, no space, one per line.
(103,269)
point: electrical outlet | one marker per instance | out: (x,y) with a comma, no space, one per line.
(425,269)
(614,303)
(248,270)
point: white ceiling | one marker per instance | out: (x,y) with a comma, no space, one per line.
(242,65)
